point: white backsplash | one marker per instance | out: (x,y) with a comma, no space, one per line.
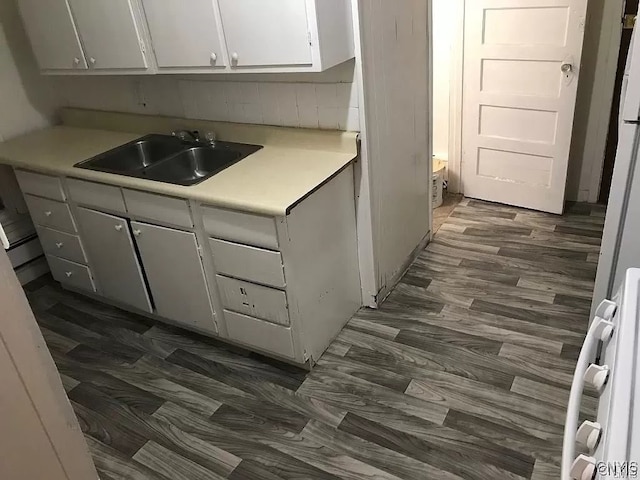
(327,105)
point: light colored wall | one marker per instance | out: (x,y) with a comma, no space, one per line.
(595,93)
(26,99)
(328,100)
(396,108)
(445,26)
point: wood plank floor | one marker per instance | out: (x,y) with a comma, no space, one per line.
(463,373)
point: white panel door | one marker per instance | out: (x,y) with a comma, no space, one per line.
(266,32)
(109,33)
(521,69)
(113,260)
(172,262)
(184,36)
(53,34)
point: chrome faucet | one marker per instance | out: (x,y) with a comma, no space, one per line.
(183,135)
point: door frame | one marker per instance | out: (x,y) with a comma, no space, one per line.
(599,114)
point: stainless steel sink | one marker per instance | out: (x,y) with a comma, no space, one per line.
(135,156)
(168,159)
(193,165)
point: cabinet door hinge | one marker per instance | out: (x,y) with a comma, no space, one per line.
(628,21)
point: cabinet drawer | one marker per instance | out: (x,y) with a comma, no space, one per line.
(41,185)
(241,227)
(71,273)
(249,263)
(96,195)
(256,333)
(174,211)
(255,300)
(62,245)
(49,213)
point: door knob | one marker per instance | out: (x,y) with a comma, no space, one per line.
(566,68)
(137,232)
(214,57)
(92,61)
(76,61)
(48,213)
(68,274)
(59,245)
(234,56)
(118,228)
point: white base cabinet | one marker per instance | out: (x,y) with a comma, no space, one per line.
(172,263)
(283,286)
(108,243)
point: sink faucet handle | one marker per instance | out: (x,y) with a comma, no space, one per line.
(210,137)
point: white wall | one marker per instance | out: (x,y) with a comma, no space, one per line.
(328,100)
(396,107)
(445,25)
(26,99)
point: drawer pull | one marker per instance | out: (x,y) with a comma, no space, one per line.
(118,228)
(59,245)
(68,274)
(48,213)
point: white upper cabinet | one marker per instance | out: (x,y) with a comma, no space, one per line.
(266,32)
(110,34)
(189,36)
(185,36)
(53,34)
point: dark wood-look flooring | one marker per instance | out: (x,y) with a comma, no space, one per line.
(463,373)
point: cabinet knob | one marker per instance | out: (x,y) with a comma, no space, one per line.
(76,61)
(68,274)
(59,245)
(234,57)
(92,61)
(48,213)
(137,232)
(118,227)
(214,57)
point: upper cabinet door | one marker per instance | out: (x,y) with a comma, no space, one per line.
(53,35)
(184,36)
(109,33)
(266,32)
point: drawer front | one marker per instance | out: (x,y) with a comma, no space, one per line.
(63,245)
(41,185)
(241,227)
(71,273)
(249,263)
(174,211)
(255,300)
(96,195)
(49,213)
(259,334)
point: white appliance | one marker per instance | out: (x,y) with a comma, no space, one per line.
(621,238)
(610,442)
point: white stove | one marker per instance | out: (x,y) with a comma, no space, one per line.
(613,438)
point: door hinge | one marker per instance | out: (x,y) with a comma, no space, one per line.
(629,21)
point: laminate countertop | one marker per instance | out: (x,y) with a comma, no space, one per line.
(268,182)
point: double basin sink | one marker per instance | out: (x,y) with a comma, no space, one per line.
(168,159)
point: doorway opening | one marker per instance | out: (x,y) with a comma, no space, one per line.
(522,96)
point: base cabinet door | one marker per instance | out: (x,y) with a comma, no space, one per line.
(174,270)
(112,254)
